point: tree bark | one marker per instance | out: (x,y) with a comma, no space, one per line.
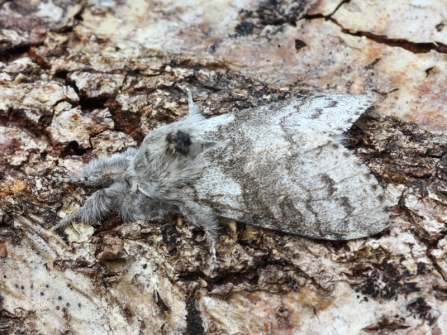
(84,79)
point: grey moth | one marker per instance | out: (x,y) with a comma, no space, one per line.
(281,166)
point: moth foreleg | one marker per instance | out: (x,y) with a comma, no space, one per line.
(96,207)
(203,218)
(102,170)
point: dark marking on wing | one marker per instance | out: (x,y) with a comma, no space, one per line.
(317,113)
(333,103)
(344,201)
(330,183)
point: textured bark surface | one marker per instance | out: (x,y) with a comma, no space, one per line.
(82,79)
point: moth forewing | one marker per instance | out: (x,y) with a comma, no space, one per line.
(284,169)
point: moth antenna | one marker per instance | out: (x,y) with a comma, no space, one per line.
(194,109)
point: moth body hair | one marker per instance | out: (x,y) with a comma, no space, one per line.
(147,182)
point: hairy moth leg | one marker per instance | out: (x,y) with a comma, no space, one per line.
(203,218)
(102,170)
(95,207)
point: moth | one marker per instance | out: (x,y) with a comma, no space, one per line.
(281,166)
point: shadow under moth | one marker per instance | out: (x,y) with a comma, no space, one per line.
(280,166)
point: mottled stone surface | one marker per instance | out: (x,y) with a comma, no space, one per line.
(107,73)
